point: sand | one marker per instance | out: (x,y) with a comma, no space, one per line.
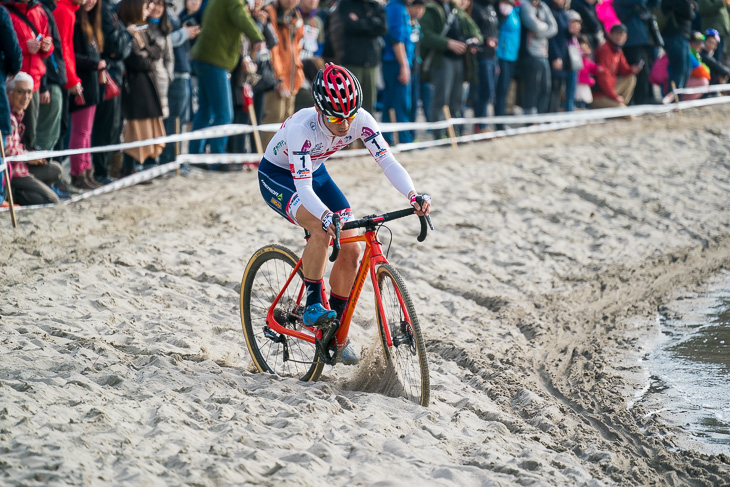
(124,363)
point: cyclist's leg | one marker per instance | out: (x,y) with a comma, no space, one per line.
(345,267)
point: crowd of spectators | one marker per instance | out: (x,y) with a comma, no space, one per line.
(82,73)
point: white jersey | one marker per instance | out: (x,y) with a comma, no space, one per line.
(303,143)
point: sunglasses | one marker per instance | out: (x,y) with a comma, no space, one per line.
(338,120)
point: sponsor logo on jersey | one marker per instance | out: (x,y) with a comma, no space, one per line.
(271,190)
(305,147)
(278,146)
(299,173)
(293,204)
(345,214)
(318,147)
(276,203)
(381,152)
(366,132)
(312,126)
(371,136)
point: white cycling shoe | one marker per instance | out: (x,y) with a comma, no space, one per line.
(348,355)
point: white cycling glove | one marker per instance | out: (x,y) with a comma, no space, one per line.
(327,220)
(426,198)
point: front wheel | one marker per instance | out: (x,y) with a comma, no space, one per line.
(264,278)
(407,355)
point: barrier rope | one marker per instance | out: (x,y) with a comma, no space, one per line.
(536,124)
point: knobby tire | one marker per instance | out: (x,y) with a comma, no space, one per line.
(263,279)
(408,359)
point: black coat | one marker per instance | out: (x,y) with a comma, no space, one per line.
(362,42)
(592,27)
(117,42)
(485,17)
(11,57)
(679,16)
(140,99)
(87,63)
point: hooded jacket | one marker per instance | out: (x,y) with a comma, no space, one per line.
(223,23)
(538,25)
(65,15)
(33,64)
(285,56)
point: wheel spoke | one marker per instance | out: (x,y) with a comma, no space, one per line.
(407,355)
(263,280)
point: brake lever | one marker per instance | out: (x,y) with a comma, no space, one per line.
(336,243)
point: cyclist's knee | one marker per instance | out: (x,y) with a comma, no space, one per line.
(350,253)
(319,238)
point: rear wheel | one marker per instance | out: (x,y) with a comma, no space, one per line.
(264,278)
(407,355)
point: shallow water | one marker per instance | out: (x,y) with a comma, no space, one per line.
(689,367)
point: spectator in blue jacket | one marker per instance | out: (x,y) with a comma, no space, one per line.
(508,48)
(11,58)
(640,46)
(397,59)
(677,31)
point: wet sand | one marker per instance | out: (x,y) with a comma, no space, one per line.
(124,362)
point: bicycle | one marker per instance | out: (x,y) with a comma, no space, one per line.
(272,298)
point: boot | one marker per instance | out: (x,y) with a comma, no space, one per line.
(88,174)
(115,166)
(79,181)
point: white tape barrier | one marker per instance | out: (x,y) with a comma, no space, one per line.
(132,180)
(229,130)
(693,91)
(558,121)
(543,123)
(209,133)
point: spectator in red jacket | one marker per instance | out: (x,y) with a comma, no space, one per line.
(34,37)
(65,15)
(615,78)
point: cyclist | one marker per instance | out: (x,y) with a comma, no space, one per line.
(295,183)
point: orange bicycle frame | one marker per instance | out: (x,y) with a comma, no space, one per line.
(372,257)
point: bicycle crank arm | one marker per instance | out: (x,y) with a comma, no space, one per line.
(327,352)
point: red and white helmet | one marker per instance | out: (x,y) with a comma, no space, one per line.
(336,91)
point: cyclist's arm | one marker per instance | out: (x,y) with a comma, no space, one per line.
(380,150)
(300,165)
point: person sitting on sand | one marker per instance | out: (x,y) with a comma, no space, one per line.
(295,183)
(27,184)
(615,78)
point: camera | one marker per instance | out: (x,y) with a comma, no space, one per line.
(472,42)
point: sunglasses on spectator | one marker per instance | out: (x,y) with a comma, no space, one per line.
(338,120)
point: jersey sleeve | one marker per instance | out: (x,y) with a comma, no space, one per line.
(380,150)
(300,166)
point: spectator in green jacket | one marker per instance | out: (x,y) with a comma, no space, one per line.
(215,55)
